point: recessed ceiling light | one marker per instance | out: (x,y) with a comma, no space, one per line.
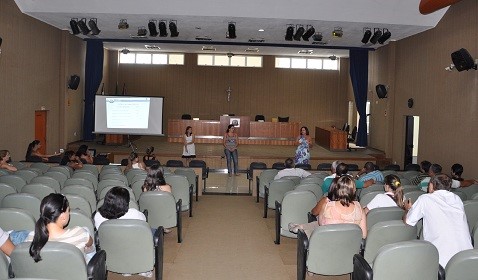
(250,49)
(306,51)
(261,30)
(209,48)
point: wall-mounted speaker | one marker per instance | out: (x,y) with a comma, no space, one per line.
(462,60)
(74,82)
(381,91)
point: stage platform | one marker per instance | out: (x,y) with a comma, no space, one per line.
(213,154)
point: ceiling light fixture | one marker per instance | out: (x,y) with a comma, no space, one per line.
(261,30)
(125,51)
(289,33)
(142,31)
(74,26)
(93,24)
(367,33)
(231,30)
(152,28)
(310,31)
(82,25)
(163,31)
(173,28)
(317,37)
(299,32)
(376,34)
(123,24)
(385,36)
(338,33)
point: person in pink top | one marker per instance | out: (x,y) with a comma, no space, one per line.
(339,207)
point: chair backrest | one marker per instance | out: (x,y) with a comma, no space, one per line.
(186,117)
(409,174)
(383,214)
(16,219)
(388,172)
(4,265)
(78,202)
(138,177)
(353,167)
(180,189)
(5,190)
(41,165)
(13,180)
(19,164)
(4,172)
(462,266)
(189,174)
(470,191)
(59,176)
(81,219)
(109,171)
(460,194)
(413,195)
(38,190)
(257,165)
(387,232)
(324,166)
(161,208)
(62,169)
(283,119)
(112,167)
(332,247)
(471,211)
(314,188)
(25,201)
(277,190)
(27,175)
(107,183)
(304,166)
(371,188)
(295,206)
(103,192)
(394,167)
(259,118)
(278,165)
(137,188)
(130,174)
(412,167)
(59,261)
(88,176)
(49,181)
(132,204)
(202,164)
(83,191)
(151,162)
(115,176)
(366,198)
(312,180)
(79,181)
(91,168)
(406,260)
(174,163)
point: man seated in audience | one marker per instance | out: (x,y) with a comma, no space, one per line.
(444,219)
(333,167)
(342,169)
(457,180)
(424,168)
(434,170)
(6,245)
(290,170)
(368,172)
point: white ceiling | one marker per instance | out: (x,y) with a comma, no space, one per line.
(211,17)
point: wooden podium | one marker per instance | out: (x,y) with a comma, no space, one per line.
(331,138)
(115,139)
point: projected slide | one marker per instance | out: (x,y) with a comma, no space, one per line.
(133,115)
(127,113)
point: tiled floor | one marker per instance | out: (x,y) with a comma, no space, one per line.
(220,182)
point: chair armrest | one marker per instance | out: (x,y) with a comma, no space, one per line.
(191,191)
(266,198)
(145,212)
(441,272)
(96,268)
(278,211)
(249,174)
(158,240)
(179,220)
(302,249)
(207,172)
(362,270)
(311,218)
(97,241)
(257,189)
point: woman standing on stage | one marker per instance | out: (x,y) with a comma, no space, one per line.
(189,149)
(302,154)
(230,142)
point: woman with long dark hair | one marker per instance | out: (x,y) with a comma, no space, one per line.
(155,180)
(34,155)
(393,195)
(71,160)
(54,216)
(302,153)
(230,142)
(189,149)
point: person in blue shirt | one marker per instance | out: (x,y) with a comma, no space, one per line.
(368,172)
(341,170)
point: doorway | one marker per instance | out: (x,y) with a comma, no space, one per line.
(412,128)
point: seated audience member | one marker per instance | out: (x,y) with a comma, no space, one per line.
(424,168)
(149,154)
(84,155)
(34,155)
(134,163)
(368,172)
(341,170)
(4,161)
(6,245)
(290,170)
(338,207)
(155,180)
(393,195)
(333,168)
(116,206)
(457,180)
(54,216)
(444,219)
(71,160)
(434,170)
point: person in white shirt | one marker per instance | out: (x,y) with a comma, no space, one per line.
(290,170)
(333,169)
(444,219)
(458,181)
(393,195)
(6,245)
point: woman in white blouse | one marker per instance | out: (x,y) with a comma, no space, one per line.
(393,195)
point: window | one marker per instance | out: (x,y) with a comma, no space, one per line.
(234,61)
(298,63)
(159,58)
(282,62)
(367,113)
(143,58)
(127,58)
(176,59)
(151,58)
(306,63)
(330,64)
(314,63)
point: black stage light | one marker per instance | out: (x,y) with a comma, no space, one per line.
(123,24)
(163,31)
(142,31)
(338,32)
(82,25)
(310,31)
(366,35)
(152,28)
(376,34)
(289,33)
(385,36)
(173,28)
(74,26)
(93,23)
(299,32)
(231,30)
(317,37)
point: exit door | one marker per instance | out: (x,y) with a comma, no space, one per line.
(40,129)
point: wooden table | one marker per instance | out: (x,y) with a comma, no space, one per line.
(331,138)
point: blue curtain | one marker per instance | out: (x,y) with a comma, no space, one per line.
(359,77)
(93,77)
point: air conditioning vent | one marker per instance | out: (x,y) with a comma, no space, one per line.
(252,50)
(152,47)
(257,40)
(209,48)
(203,38)
(320,43)
(137,37)
(306,51)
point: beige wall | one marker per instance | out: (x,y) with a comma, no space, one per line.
(35,64)
(447,102)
